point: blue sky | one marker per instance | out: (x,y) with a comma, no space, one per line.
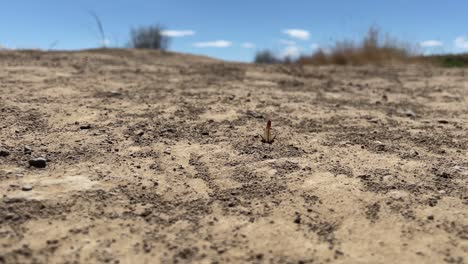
(234,30)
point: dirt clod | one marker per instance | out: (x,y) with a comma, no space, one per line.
(38,162)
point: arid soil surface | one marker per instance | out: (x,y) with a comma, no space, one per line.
(155,158)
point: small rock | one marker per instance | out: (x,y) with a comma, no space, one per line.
(114,93)
(344,143)
(168,130)
(254,114)
(387,178)
(27,150)
(410,113)
(26,188)
(167,151)
(398,195)
(430,217)
(432,202)
(140,133)
(145,213)
(11,216)
(38,162)
(297,220)
(442,121)
(380,146)
(86,126)
(52,242)
(4,153)
(205,133)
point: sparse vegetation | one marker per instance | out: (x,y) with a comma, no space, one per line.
(371,50)
(266,57)
(149,37)
(451,60)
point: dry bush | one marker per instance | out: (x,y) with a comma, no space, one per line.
(371,50)
(148,37)
(266,57)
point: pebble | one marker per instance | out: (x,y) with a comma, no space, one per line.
(26,188)
(398,195)
(410,113)
(86,126)
(115,93)
(387,178)
(27,150)
(254,114)
(380,146)
(4,153)
(38,162)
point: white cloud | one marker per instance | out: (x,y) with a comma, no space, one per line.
(297,33)
(213,44)
(461,43)
(248,45)
(291,51)
(178,33)
(287,42)
(431,43)
(314,46)
(104,42)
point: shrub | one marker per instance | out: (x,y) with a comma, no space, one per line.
(266,57)
(148,37)
(459,60)
(371,50)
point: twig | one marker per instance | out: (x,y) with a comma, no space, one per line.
(99,26)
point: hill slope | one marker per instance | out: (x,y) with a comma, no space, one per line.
(156,156)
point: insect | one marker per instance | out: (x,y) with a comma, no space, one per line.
(268,138)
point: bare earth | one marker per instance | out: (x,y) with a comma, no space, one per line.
(156,157)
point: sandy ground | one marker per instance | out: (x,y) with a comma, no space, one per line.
(156,158)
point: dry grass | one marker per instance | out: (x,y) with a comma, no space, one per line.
(371,50)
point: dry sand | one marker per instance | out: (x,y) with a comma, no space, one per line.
(156,157)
